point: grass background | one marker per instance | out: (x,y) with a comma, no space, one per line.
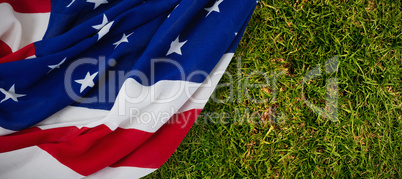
(294,37)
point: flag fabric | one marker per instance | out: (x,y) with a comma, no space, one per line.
(107,88)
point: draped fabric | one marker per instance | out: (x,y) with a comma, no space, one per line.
(107,88)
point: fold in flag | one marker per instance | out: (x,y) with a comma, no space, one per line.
(107,88)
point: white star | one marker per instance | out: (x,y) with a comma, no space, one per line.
(104,22)
(105,30)
(70,3)
(175,46)
(123,39)
(214,7)
(104,27)
(11,94)
(52,67)
(235,33)
(97,2)
(88,81)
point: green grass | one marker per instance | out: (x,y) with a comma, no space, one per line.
(294,37)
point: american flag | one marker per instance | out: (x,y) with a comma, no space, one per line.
(107,88)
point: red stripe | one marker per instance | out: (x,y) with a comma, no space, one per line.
(158,148)
(29,6)
(96,149)
(88,150)
(21,54)
(4,49)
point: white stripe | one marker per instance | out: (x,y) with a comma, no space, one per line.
(203,93)
(147,108)
(5,131)
(20,29)
(121,173)
(140,107)
(33,162)
(73,116)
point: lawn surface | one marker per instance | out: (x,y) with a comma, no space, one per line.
(238,136)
